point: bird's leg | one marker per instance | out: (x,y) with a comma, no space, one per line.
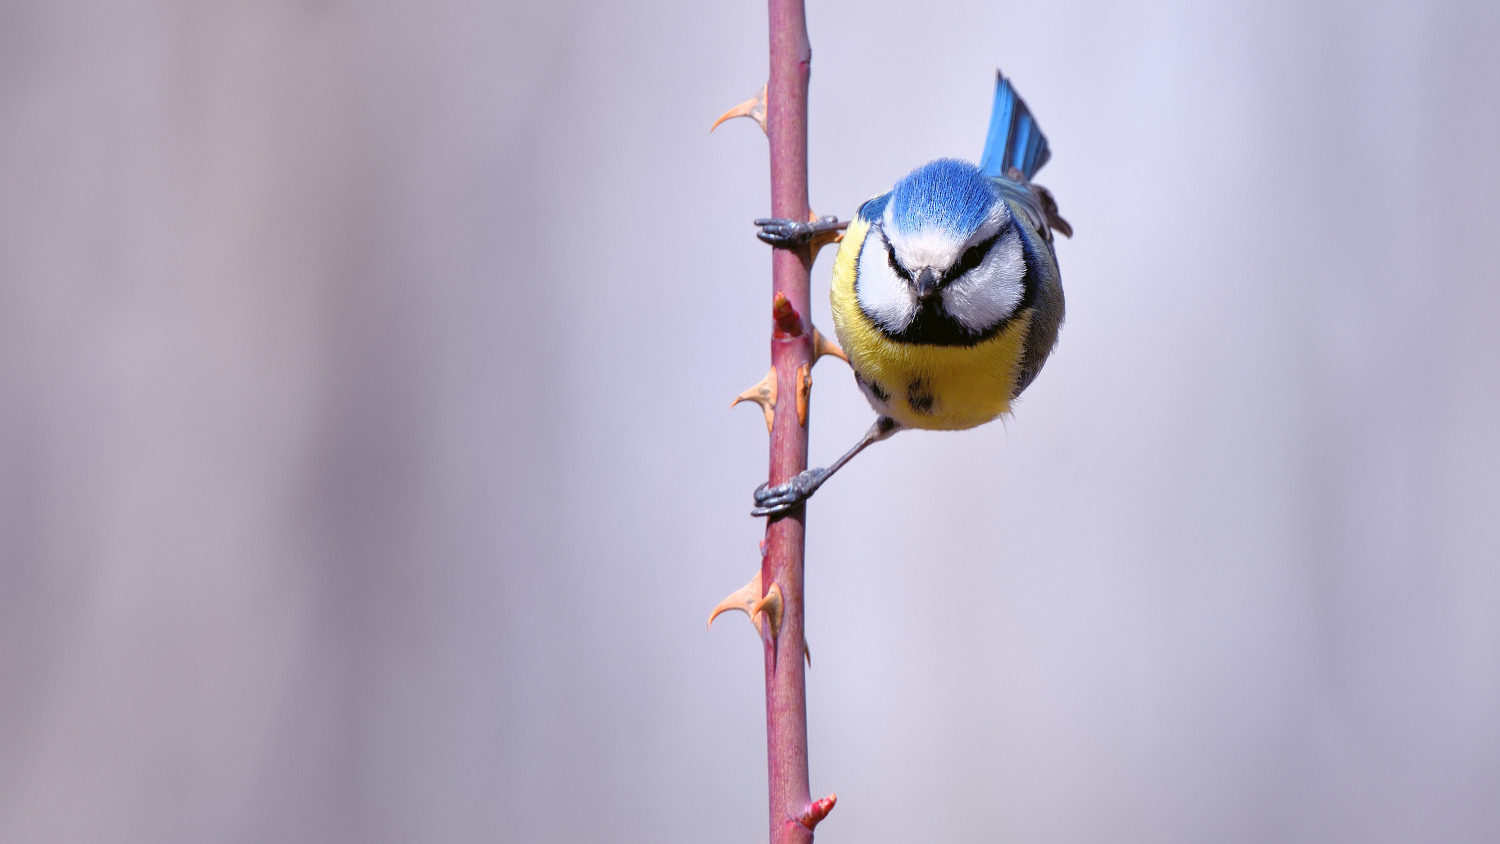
(772,500)
(790,234)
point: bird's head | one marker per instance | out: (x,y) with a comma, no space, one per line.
(944,255)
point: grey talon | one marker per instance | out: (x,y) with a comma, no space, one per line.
(771,500)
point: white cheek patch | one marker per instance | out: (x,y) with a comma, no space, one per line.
(882,294)
(988,294)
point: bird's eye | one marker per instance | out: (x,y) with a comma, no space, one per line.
(972,256)
(890,253)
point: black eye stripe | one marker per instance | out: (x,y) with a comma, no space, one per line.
(973,255)
(890,254)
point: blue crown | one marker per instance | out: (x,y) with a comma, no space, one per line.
(947,194)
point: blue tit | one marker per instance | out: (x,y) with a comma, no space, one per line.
(946,294)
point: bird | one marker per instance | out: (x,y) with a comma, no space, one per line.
(946,294)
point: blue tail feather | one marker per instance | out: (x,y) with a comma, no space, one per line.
(1015,139)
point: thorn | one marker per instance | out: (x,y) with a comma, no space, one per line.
(788,321)
(763,394)
(817,811)
(804,391)
(770,605)
(824,346)
(806,650)
(753,108)
(748,600)
(745,599)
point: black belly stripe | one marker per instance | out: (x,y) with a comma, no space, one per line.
(874,387)
(919,396)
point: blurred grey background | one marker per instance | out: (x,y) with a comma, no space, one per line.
(366,473)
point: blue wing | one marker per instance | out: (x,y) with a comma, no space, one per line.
(1015,140)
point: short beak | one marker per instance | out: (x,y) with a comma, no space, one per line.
(927,283)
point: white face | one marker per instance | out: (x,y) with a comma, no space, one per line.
(979,299)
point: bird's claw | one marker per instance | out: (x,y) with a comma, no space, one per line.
(790,234)
(786,234)
(773,500)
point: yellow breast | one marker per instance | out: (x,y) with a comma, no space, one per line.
(934,387)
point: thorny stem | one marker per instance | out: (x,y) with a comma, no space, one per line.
(786,689)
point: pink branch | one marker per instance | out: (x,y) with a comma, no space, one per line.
(791,349)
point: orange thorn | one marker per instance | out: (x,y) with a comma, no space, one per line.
(753,108)
(743,599)
(824,346)
(763,394)
(804,391)
(770,605)
(817,811)
(761,608)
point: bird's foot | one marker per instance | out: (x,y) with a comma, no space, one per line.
(774,500)
(790,234)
